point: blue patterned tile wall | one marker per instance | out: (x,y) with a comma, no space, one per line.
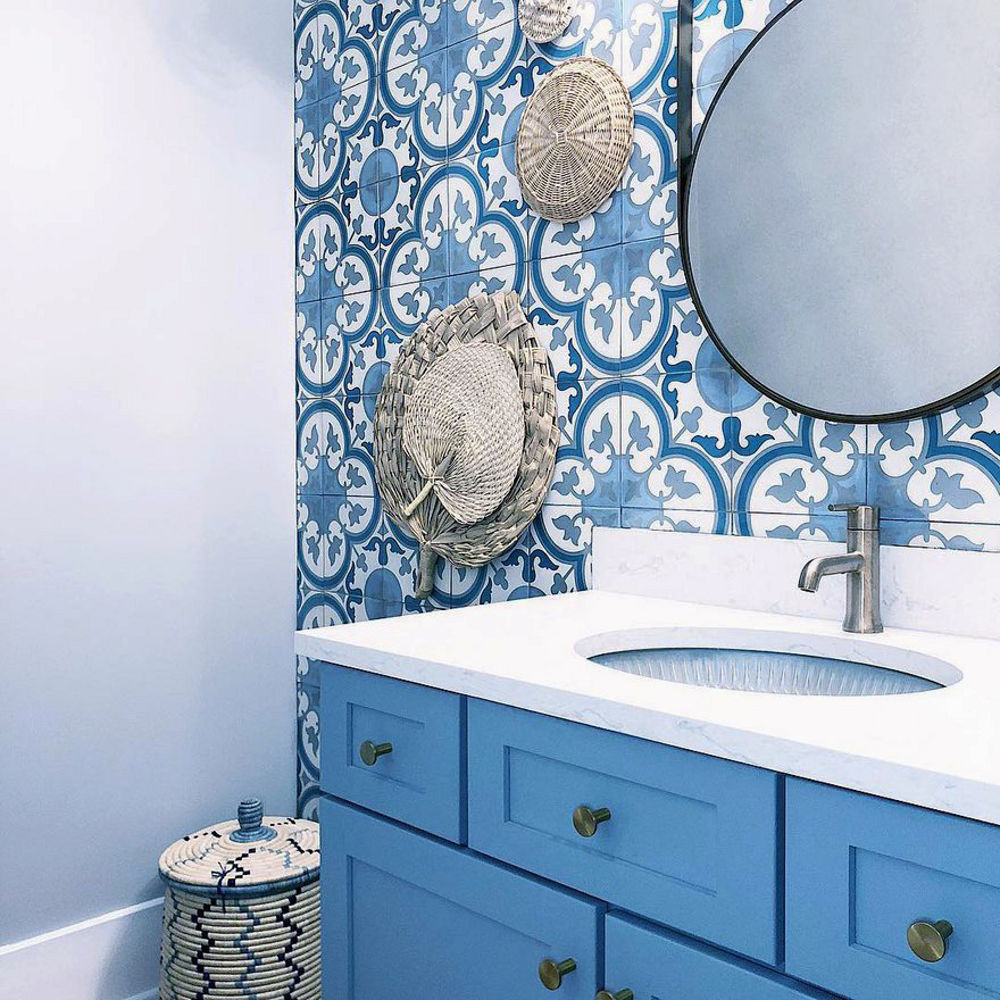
(407,199)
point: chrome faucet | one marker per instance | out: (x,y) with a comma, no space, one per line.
(860,565)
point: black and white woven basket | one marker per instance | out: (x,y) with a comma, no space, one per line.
(241,916)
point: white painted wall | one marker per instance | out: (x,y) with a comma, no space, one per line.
(146,442)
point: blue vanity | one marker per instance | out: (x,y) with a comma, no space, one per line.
(481,851)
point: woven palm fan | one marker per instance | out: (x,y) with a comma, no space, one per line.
(574,139)
(544,20)
(466,433)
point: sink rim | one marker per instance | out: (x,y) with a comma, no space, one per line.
(855,649)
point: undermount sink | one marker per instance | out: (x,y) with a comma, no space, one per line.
(778,663)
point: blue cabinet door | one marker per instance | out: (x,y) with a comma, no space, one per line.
(657,965)
(861,870)
(406,916)
(690,841)
(421,779)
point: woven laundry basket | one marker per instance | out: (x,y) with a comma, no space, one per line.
(466,432)
(574,139)
(241,914)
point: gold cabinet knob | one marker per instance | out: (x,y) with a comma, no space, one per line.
(551,973)
(370,752)
(620,995)
(587,820)
(929,942)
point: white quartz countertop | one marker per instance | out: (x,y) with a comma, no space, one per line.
(939,749)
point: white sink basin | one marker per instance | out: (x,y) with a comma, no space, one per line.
(785,663)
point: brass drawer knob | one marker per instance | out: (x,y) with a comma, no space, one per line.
(620,995)
(587,820)
(551,973)
(370,752)
(929,942)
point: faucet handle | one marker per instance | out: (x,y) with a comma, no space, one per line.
(860,516)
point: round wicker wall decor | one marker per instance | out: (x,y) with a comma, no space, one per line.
(574,139)
(544,20)
(466,432)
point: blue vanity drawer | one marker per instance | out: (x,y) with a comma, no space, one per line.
(655,964)
(861,870)
(421,781)
(407,916)
(692,841)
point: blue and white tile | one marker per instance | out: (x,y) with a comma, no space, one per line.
(307,671)
(488,282)
(674,448)
(350,547)
(318,609)
(799,527)
(702,522)
(944,468)
(346,322)
(345,48)
(412,28)
(308,349)
(788,464)
(311,428)
(509,577)
(417,95)
(659,323)
(651,205)
(307,129)
(468,18)
(329,264)
(334,454)
(488,88)
(600,229)
(416,228)
(397,574)
(347,139)
(712,40)
(575,306)
(588,457)
(649,49)
(308,730)
(309,531)
(488,222)
(306,76)
(562,557)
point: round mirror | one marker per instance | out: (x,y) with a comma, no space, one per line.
(842,213)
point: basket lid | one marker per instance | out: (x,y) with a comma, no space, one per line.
(251,854)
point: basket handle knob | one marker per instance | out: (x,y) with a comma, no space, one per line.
(250,814)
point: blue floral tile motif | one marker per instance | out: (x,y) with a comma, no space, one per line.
(488,222)
(588,457)
(488,85)
(334,455)
(487,282)
(788,464)
(308,730)
(562,556)
(649,52)
(601,229)
(803,527)
(393,584)
(651,204)
(329,262)
(417,93)
(576,310)
(307,127)
(411,28)
(346,141)
(308,349)
(469,18)
(416,225)
(940,474)
(704,522)
(660,327)
(346,322)
(306,76)
(674,450)
(345,46)
(510,577)
(405,306)
(318,609)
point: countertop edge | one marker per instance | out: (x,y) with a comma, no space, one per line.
(894,781)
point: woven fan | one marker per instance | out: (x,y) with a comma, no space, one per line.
(470,398)
(574,140)
(543,20)
(464,430)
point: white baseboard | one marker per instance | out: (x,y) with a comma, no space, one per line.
(111,957)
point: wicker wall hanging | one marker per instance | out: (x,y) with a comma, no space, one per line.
(466,433)
(543,20)
(574,139)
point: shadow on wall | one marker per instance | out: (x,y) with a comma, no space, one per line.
(217,43)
